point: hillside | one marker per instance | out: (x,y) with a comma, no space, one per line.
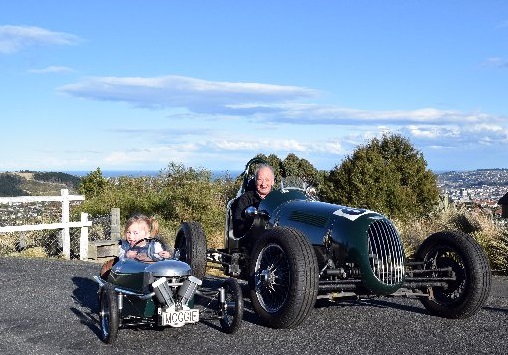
(30,183)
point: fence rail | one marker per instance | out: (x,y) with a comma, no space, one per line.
(64,225)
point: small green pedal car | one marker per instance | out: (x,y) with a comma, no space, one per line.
(163,294)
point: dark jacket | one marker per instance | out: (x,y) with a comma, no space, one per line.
(241,224)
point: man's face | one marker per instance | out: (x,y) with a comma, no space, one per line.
(264,181)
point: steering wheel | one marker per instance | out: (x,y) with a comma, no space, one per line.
(149,258)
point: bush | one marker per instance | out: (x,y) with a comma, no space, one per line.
(387,175)
(177,194)
(490,234)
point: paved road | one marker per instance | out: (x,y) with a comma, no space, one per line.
(50,307)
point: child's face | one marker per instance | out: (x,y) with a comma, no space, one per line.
(136,231)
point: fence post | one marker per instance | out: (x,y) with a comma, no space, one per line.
(115,224)
(66,235)
(83,238)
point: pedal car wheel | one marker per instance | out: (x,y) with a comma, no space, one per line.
(464,296)
(191,242)
(283,277)
(109,314)
(232,310)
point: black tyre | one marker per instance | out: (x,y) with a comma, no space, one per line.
(109,314)
(283,278)
(232,310)
(191,243)
(466,295)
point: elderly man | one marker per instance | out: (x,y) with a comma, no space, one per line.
(265,177)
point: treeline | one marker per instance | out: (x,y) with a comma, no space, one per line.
(14,184)
(69,180)
(10,185)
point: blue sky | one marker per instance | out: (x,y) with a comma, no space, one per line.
(135,85)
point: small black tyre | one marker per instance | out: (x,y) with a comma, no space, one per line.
(109,313)
(232,310)
(466,295)
(191,243)
(284,277)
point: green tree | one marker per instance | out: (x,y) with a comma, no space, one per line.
(275,162)
(93,184)
(294,166)
(387,175)
(187,194)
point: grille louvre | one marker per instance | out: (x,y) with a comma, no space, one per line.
(307,218)
(386,253)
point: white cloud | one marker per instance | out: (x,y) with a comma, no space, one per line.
(51,69)
(177,91)
(212,150)
(268,103)
(432,131)
(16,38)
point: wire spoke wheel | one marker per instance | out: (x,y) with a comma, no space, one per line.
(283,277)
(272,278)
(466,294)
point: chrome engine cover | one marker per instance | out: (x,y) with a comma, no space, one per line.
(169,268)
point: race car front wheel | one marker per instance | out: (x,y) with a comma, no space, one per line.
(283,277)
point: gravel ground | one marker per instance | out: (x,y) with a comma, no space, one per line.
(50,307)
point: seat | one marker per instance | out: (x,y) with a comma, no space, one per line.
(230,240)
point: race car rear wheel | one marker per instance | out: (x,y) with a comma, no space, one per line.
(191,243)
(109,313)
(283,277)
(464,296)
(232,312)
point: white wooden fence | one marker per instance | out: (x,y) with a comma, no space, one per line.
(64,225)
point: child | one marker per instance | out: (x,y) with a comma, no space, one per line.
(138,229)
(134,246)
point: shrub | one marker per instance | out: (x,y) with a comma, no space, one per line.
(490,234)
(177,194)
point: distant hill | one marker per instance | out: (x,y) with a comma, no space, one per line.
(474,178)
(32,183)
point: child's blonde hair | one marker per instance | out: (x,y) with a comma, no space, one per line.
(151,223)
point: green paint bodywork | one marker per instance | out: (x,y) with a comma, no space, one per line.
(333,230)
(129,274)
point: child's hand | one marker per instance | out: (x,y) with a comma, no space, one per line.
(131,254)
(165,254)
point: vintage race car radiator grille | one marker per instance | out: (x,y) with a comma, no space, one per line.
(386,254)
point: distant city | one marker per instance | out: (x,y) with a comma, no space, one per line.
(483,187)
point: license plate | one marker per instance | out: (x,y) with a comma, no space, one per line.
(179,318)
